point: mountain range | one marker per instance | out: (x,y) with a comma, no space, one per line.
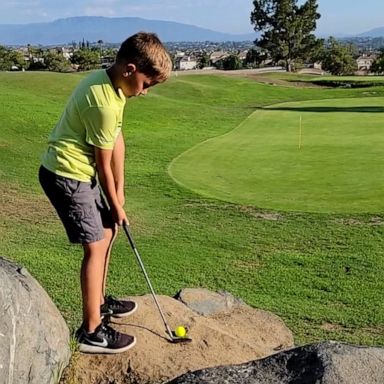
(376,32)
(110,30)
(116,29)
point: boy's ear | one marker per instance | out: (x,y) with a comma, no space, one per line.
(130,68)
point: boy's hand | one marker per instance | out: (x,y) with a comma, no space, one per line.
(119,216)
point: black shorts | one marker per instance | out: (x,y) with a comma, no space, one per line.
(80,206)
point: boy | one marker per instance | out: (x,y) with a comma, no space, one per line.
(85,156)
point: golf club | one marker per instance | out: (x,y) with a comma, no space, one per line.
(173,338)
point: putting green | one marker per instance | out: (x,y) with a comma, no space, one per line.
(317,156)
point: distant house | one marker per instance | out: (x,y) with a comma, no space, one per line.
(243,54)
(312,68)
(364,62)
(107,61)
(217,56)
(185,62)
(179,54)
(67,53)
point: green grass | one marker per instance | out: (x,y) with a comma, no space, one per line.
(322,273)
(315,156)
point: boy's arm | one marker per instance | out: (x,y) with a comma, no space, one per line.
(103,159)
(118,155)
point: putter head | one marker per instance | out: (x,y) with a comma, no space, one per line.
(177,339)
(173,338)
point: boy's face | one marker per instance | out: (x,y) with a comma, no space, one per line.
(136,83)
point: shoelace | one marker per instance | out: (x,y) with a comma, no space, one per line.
(109,332)
(113,302)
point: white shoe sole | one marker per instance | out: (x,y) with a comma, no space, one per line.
(120,315)
(88,348)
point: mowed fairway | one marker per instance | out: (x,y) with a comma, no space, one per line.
(312,156)
(322,273)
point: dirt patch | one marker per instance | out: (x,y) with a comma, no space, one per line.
(230,337)
(264,215)
(19,206)
(268,80)
(332,327)
(376,221)
(247,265)
(281,82)
(246,209)
(254,74)
(371,221)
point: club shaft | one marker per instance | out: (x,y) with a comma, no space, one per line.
(138,258)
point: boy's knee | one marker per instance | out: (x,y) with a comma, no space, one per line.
(110,233)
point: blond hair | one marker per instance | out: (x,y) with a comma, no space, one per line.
(148,53)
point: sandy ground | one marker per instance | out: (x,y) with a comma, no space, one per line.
(230,337)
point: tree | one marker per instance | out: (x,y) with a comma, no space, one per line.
(100,43)
(56,62)
(286,29)
(254,58)
(10,58)
(232,62)
(338,58)
(203,61)
(17,58)
(86,59)
(5,62)
(378,65)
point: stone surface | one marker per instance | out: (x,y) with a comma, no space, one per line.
(323,363)
(206,302)
(34,338)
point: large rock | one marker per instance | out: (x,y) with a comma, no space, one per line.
(206,302)
(229,332)
(324,363)
(34,339)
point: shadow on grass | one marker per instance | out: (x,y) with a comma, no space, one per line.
(362,109)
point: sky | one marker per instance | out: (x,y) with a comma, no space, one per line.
(338,17)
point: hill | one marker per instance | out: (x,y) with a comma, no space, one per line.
(376,32)
(111,30)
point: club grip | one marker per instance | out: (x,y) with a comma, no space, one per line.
(129,236)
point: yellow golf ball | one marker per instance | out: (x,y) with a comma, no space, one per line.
(180,331)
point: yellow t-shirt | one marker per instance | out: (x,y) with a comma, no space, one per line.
(92,118)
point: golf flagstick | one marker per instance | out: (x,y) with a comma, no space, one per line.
(300,132)
(172,336)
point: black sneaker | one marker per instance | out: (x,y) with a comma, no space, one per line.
(117,308)
(104,340)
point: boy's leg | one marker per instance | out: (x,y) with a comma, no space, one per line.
(92,278)
(106,263)
(111,306)
(96,336)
